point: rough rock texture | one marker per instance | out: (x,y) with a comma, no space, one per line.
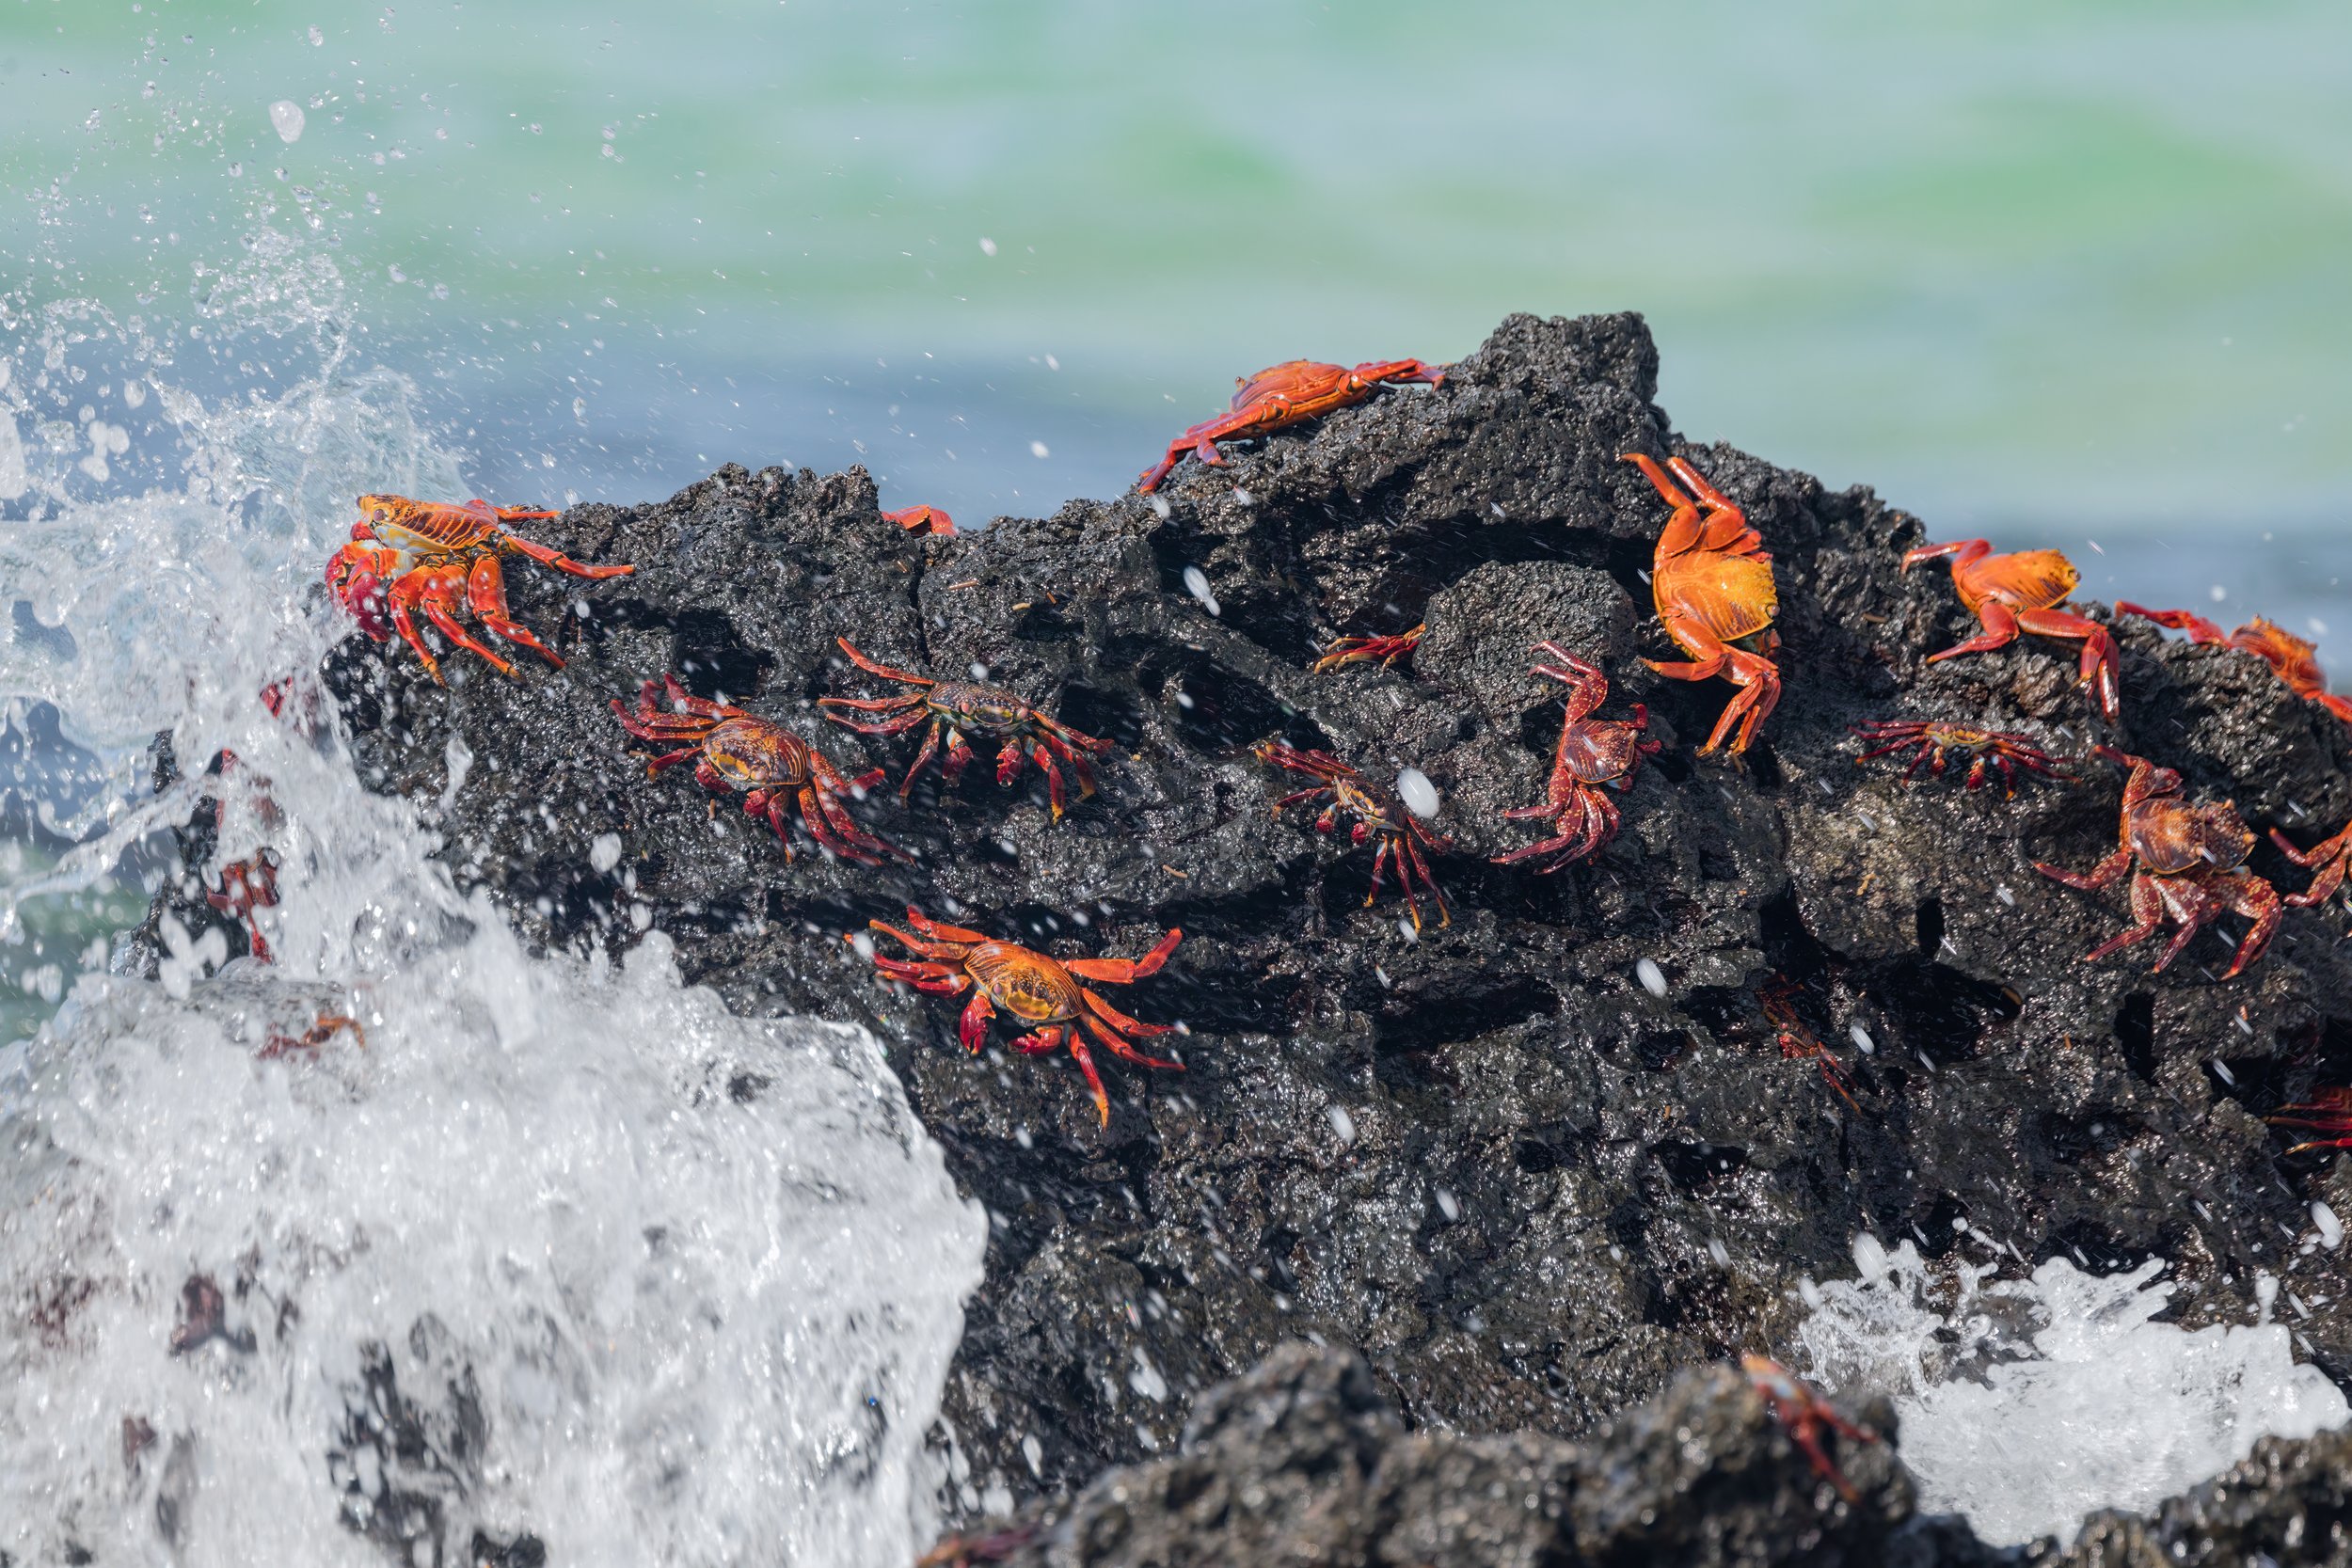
(1527,1190)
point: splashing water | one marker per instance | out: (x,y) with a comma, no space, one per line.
(2027,1404)
(558,1249)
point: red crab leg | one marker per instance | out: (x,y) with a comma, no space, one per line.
(2328,855)
(1067,741)
(485,589)
(439,596)
(1999,623)
(1122,972)
(2097,878)
(2340,706)
(556,558)
(930,928)
(952,951)
(1302,795)
(931,749)
(1379,859)
(972,1027)
(2147,919)
(872,668)
(1038,1041)
(671,759)
(1053,776)
(943,984)
(1119,1047)
(1121,1023)
(959,756)
(2199,628)
(1758,680)
(830,824)
(1409,860)
(2098,657)
(402,596)
(1008,759)
(915,713)
(1094,1079)
(1353,650)
(768,806)
(2259,902)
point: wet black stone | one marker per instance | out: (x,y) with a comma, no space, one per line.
(1556,1193)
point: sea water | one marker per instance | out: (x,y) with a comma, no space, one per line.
(539,1244)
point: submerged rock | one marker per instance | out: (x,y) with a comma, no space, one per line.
(1529,1191)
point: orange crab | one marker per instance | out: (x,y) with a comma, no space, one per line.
(2295,659)
(735,749)
(2001,749)
(2328,859)
(956,706)
(921,520)
(1038,990)
(1280,396)
(2330,1115)
(1592,753)
(1358,650)
(2190,867)
(1713,582)
(1377,813)
(2025,591)
(1802,1414)
(407,555)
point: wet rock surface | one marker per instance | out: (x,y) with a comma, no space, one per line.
(1486,1157)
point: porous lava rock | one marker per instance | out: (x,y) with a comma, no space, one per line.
(1485,1156)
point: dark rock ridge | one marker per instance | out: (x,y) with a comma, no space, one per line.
(1525,1189)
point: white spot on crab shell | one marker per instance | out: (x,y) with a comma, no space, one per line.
(1653,979)
(1343,1125)
(1197,584)
(1418,795)
(285,117)
(605,853)
(1861,1037)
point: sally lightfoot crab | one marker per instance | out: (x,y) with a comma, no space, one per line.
(1932,738)
(955,708)
(1280,396)
(734,749)
(921,520)
(2190,868)
(1713,582)
(1803,1415)
(2294,660)
(1040,991)
(1378,814)
(1592,753)
(406,555)
(2025,591)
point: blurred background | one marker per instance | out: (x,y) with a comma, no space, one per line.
(2067,274)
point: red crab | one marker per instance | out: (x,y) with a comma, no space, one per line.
(2330,1115)
(2293,659)
(2001,749)
(1802,1414)
(1356,650)
(1592,753)
(407,555)
(2023,592)
(1713,582)
(1778,998)
(1280,396)
(734,749)
(1038,990)
(1377,813)
(917,519)
(247,885)
(2328,860)
(2190,867)
(956,706)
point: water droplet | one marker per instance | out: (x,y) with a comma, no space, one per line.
(1861,1037)
(1653,979)
(1418,795)
(1197,584)
(286,116)
(988,246)
(1343,1124)
(1039,449)
(2331,1227)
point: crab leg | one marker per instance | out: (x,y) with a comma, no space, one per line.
(1121,972)
(556,558)
(1119,1047)
(959,756)
(1294,798)
(886,671)
(830,824)
(1053,776)
(931,749)
(1094,1080)
(402,596)
(2097,878)
(485,591)
(438,596)
(2147,919)
(928,926)
(2328,855)
(2258,901)
(1351,650)
(2199,628)
(951,950)
(1409,861)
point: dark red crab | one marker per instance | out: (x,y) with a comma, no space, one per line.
(1592,753)
(1036,989)
(735,749)
(1932,738)
(2189,866)
(1803,1415)
(2025,591)
(954,707)
(1378,814)
(2294,660)
(1797,1043)
(1283,395)
(2329,1114)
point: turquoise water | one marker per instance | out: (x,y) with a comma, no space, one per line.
(2009,262)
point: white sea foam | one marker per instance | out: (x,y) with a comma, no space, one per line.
(563,1248)
(2028,1403)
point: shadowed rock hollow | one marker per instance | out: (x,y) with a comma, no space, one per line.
(1525,1189)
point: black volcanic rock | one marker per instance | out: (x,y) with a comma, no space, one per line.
(1526,1190)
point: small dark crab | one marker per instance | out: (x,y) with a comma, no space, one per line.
(734,749)
(2001,749)
(1592,753)
(1778,998)
(1377,813)
(1803,1415)
(954,707)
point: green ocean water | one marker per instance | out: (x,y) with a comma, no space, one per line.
(2007,260)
